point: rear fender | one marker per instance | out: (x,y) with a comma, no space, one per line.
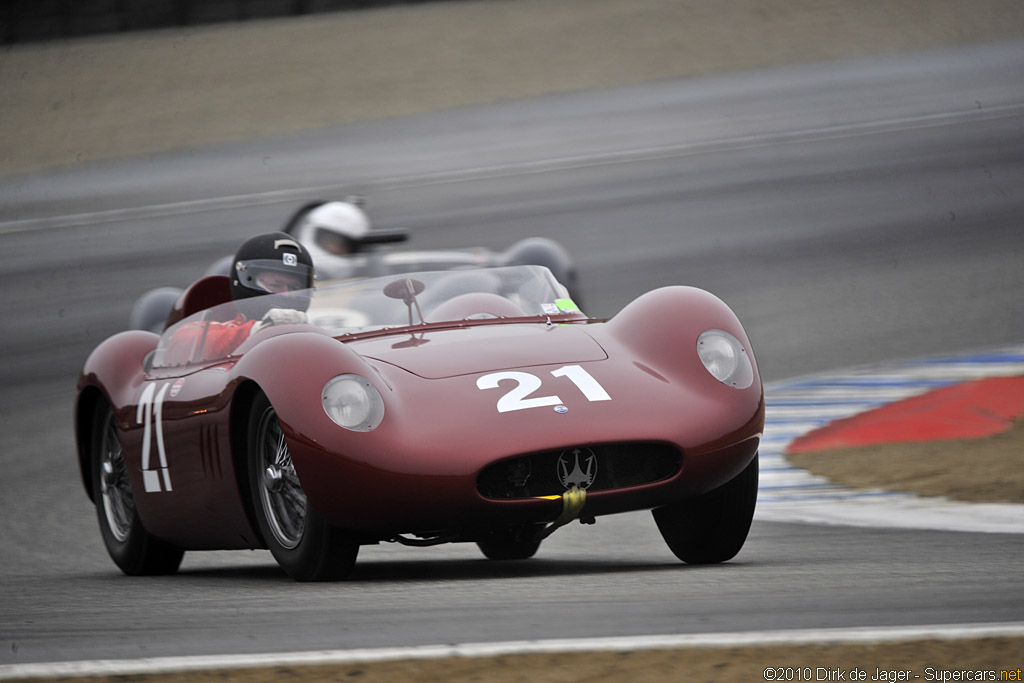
(110,373)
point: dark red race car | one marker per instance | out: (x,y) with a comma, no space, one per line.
(454,406)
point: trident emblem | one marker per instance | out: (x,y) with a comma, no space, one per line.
(579,474)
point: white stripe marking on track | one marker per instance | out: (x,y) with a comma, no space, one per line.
(830,636)
(796,407)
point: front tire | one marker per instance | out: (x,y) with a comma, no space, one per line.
(302,542)
(130,546)
(711,528)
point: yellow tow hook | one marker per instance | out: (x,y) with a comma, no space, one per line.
(572,505)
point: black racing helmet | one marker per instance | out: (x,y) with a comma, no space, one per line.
(274,263)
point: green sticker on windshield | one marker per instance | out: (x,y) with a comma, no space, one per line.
(567,306)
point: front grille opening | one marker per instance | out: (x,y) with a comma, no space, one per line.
(616,466)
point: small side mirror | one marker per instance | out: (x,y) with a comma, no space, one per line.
(404,289)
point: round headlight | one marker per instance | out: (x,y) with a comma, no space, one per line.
(725,358)
(353,403)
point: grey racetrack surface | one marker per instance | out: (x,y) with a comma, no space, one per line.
(848,212)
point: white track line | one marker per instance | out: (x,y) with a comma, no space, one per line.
(837,636)
(575,161)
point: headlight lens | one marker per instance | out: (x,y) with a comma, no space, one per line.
(725,358)
(353,403)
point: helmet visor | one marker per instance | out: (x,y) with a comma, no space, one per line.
(269,276)
(333,242)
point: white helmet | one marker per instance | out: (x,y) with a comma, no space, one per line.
(338,236)
(332,228)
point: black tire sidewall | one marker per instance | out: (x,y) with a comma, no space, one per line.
(711,528)
(322,554)
(140,553)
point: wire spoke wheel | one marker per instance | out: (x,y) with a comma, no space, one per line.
(304,544)
(130,546)
(118,502)
(282,497)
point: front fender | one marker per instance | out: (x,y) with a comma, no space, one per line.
(663,325)
(660,331)
(293,368)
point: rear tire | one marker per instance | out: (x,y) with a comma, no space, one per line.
(511,544)
(302,542)
(130,546)
(541,251)
(150,310)
(711,528)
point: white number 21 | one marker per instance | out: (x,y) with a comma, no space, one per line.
(526,384)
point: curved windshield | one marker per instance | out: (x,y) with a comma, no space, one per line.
(371,304)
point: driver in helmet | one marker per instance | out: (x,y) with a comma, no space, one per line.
(333,228)
(334,233)
(270,267)
(274,263)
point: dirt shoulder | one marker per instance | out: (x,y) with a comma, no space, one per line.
(984,470)
(138,94)
(917,660)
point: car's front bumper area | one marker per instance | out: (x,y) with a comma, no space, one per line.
(446,456)
(522,489)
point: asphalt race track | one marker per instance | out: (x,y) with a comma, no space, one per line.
(849,213)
